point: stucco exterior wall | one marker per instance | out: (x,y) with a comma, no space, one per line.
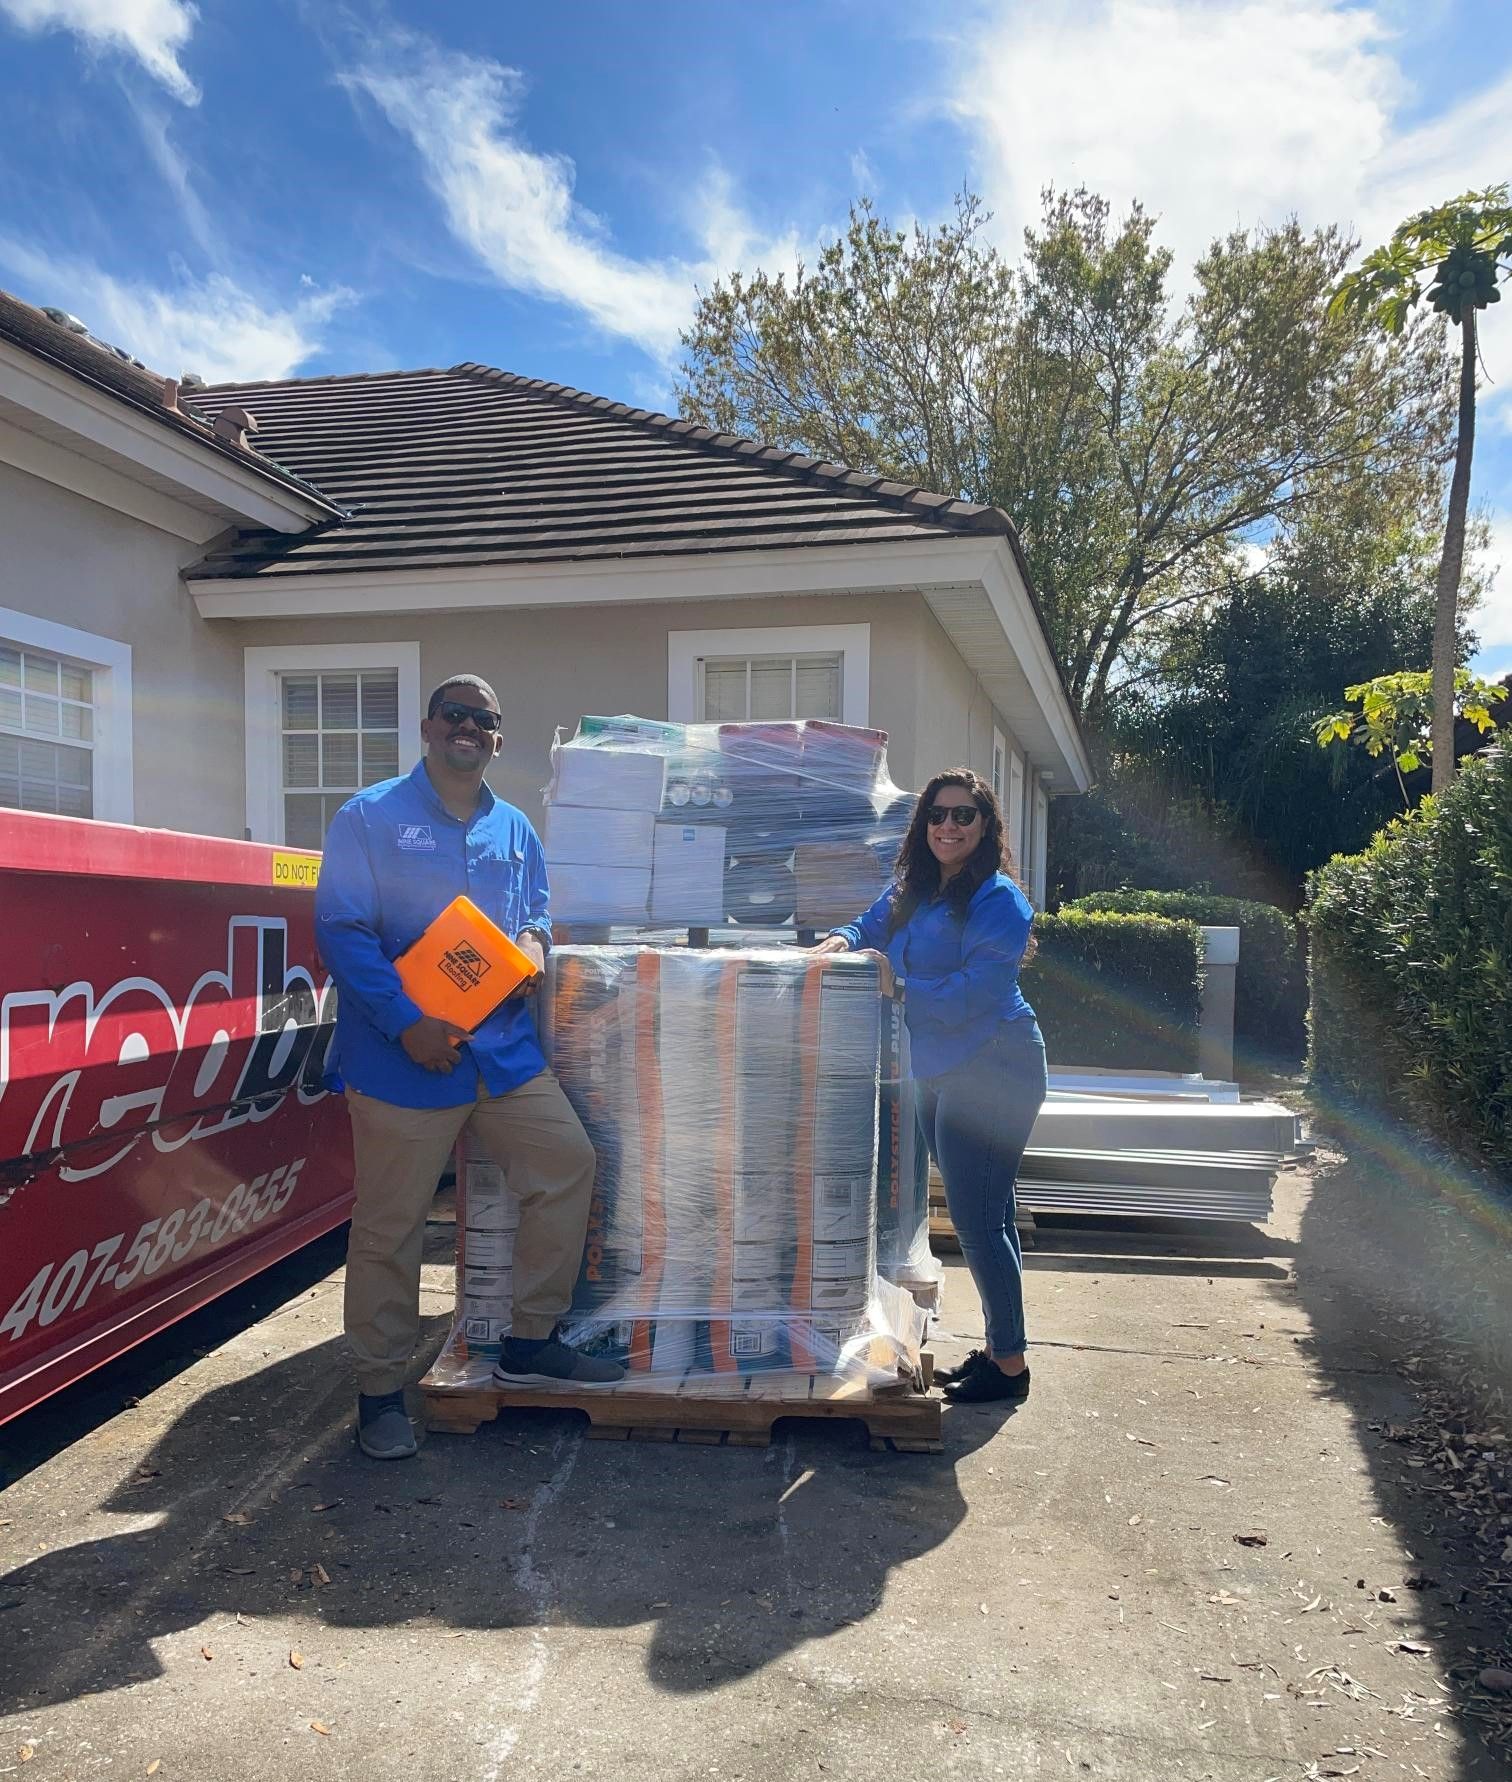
(551,666)
(72,561)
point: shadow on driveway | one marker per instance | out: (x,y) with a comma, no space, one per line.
(1396,1281)
(257,1501)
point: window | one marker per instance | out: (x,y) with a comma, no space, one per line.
(769,672)
(999,766)
(65,720)
(740,687)
(46,733)
(323,721)
(340,732)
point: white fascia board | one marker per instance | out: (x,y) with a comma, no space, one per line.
(1015,611)
(134,441)
(609,581)
(95,481)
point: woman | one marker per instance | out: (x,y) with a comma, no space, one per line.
(954,928)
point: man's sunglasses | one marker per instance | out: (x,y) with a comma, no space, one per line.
(962,815)
(455,713)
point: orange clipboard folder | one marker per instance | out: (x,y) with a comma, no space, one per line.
(462,967)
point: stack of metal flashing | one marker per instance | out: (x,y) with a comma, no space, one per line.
(1173,1148)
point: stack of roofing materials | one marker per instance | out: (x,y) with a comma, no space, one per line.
(599,832)
(732,1101)
(758,824)
(1167,1154)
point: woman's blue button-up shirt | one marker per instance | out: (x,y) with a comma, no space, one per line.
(961,978)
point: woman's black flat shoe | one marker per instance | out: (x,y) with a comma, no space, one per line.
(989,1385)
(952,1376)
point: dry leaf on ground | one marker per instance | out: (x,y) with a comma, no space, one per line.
(320,1727)
(206,1654)
(296,1661)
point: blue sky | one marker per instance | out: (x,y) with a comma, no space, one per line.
(272,187)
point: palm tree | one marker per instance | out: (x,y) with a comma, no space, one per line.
(1466,245)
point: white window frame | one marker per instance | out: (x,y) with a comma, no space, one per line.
(1000,767)
(263,666)
(1039,847)
(1015,810)
(852,643)
(113,795)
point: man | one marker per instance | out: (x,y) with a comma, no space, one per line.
(396,856)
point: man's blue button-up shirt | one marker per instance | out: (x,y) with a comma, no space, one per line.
(395,857)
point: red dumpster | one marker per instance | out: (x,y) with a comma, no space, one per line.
(164,1132)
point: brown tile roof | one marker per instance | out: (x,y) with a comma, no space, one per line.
(477,466)
(107,368)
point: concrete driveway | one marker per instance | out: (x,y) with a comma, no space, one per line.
(1167,1565)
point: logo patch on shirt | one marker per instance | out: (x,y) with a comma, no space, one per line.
(416,838)
(464,965)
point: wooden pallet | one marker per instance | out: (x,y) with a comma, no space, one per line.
(707,1412)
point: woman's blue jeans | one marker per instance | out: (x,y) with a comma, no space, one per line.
(977,1120)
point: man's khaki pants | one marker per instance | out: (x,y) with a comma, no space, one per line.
(535,1137)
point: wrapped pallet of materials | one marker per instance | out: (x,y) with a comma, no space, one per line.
(732,1100)
(808,823)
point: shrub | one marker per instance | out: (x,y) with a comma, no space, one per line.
(1411,1009)
(1117,990)
(1270,985)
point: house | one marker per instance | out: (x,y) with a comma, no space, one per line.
(221,608)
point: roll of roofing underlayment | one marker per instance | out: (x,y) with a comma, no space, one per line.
(732,1100)
(761,892)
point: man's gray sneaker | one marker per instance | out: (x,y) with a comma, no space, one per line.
(384,1431)
(553,1363)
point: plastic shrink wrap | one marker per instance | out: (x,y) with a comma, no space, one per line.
(733,1101)
(770,825)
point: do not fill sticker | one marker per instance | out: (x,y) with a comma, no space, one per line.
(295,869)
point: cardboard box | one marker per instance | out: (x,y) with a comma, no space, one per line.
(687,874)
(837,882)
(576,835)
(608,779)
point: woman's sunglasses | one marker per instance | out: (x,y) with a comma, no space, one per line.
(962,815)
(455,713)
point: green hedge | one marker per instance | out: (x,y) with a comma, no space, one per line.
(1116,990)
(1412,969)
(1270,986)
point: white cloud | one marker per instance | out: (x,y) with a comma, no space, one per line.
(1492,619)
(154,31)
(1215,113)
(208,325)
(514,208)
(1219,114)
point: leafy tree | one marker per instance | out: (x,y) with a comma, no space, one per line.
(1466,246)
(1136,441)
(1395,716)
(1212,774)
